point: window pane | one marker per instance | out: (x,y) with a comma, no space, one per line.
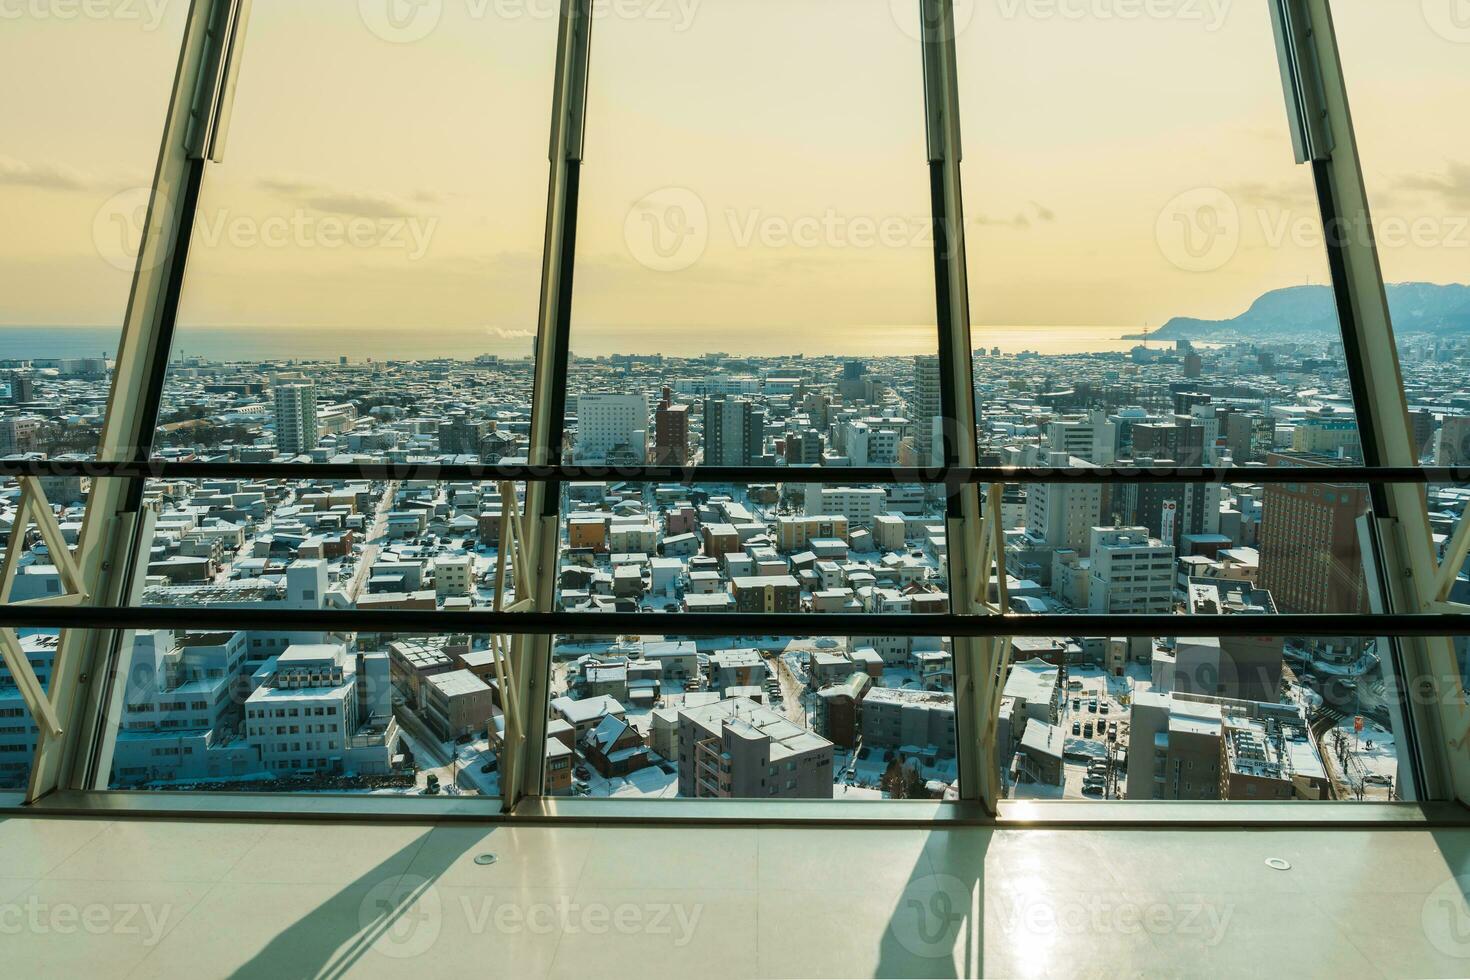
(317,710)
(757,208)
(1202,718)
(754,287)
(365,267)
(755,717)
(1407,72)
(81,129)
(1150,288)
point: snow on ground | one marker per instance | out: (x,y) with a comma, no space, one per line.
(649,783)
(1379,760)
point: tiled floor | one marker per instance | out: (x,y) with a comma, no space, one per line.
(150,898)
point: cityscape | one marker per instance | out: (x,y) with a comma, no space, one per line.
(1189,716)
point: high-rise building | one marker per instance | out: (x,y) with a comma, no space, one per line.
(927,412)
(611,424)
(22,388)
(1063,514)
(1092,437)
(804,448)
(1182,440)
(734,432)
(1132,572)
(670,432)
(464,436)
(296,422)
(1310,558)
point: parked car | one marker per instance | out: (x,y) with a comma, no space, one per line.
(1076,728)
(1087,730)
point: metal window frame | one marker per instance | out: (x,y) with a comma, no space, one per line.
(1402,555)
(72,768)
(116,521)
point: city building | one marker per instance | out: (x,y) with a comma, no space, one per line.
(1130,572)
(1311,558)
(296,418)
(738,748)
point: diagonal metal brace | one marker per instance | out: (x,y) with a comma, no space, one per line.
(35,509)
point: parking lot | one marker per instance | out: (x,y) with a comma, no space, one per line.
(1094,714)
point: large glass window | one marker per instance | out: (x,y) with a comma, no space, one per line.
(754,286)
(338,711)
(89,86)
(365,265)
(1407,73)
(1150,288)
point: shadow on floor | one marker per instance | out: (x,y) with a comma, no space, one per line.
(937,928)
(386,906)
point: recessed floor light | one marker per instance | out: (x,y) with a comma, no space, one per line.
(485,859)
(1280,864)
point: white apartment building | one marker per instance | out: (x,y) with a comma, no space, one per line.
(296,418)
(1131,572)
(304,712)
(1062,515)
(1092,437)
(609,421)
(870,442)
(717,384)
(860,505)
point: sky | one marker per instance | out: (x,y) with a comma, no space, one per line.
(754,174)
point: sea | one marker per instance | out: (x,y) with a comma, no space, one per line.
(382,344)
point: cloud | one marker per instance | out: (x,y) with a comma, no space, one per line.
(1289,195)
(319,197)
(357,205)
(46,176)
(1451,188)
(1034,211)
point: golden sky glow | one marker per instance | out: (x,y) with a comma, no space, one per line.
(753,166)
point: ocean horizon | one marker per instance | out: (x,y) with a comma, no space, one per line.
(315,344)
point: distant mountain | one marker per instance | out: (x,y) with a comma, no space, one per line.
(1305,311)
